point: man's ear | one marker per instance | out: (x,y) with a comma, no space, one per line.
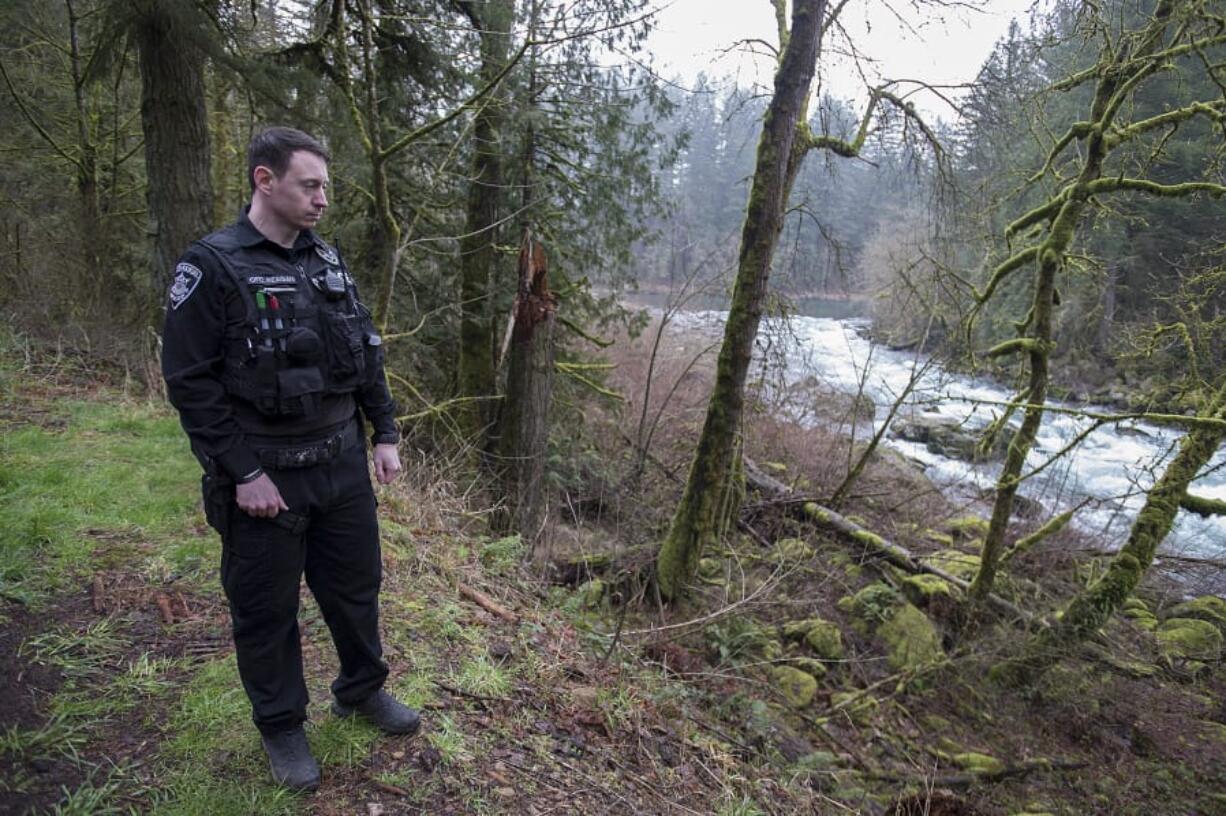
(263,176)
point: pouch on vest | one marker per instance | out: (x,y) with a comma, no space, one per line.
(374,355)
(266,379)
(299,391)
(346,350)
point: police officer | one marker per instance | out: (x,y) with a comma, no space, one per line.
(275,368)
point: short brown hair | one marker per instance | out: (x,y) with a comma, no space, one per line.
(273,147)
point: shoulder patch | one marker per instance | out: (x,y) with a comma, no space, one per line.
(327,253)
(187,277)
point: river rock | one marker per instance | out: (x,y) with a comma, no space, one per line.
(948,436)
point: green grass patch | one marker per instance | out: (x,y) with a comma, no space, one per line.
(449,740)
(342,741)
(483,677)
(117,475)
(213,763)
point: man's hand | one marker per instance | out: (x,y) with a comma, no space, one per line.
(387,463)
(260,498)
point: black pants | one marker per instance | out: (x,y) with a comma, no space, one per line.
(262,564)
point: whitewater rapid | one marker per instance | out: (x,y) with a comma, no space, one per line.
(1112,466)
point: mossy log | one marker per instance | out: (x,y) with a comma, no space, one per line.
(848,530)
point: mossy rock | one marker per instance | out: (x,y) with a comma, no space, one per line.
(911,639)
(793,550)
(809,665)
(1144,621)
(825,639)
(874,603)
(591,593)
(967,527)
(978,763)
(971,545)
(937,537)
(1190,638)
(956,563)
(1209,608)
(797,687)
(710,568)
(923,589)
(797,629)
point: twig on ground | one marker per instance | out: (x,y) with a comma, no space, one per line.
(488,604)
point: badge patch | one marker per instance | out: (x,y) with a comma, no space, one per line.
(187,277)
(327,253)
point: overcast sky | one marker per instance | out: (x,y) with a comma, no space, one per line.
(940,46)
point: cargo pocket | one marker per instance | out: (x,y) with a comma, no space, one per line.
(247,568)
(299,391)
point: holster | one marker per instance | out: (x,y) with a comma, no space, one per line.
(217,490)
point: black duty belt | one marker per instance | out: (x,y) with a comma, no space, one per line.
(318,452)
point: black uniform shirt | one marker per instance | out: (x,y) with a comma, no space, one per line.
(203,301)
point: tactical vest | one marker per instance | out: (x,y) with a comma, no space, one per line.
(306,334)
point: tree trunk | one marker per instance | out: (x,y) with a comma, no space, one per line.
(175,125)
(1093,607)
(1102,337)
(97,276)
(707,491)
(229,162)
(1130,65)
(523,428)
(478,246)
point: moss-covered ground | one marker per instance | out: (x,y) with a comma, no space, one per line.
(119,693)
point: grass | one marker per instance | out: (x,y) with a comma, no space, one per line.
(481,676)
(117,472)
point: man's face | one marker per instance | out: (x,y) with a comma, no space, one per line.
(299,197)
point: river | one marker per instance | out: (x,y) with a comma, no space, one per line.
(1111,467)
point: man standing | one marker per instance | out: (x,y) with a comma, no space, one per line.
(273,362)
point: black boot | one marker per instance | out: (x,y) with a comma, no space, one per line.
(290,758)
(383,711)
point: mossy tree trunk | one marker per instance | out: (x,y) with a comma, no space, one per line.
(1094,606)
(521,441)
(1124,65)
(703,506)
(478,245)
(175,125)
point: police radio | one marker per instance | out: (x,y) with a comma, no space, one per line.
(332,284)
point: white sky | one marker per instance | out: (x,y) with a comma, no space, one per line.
(940,46)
